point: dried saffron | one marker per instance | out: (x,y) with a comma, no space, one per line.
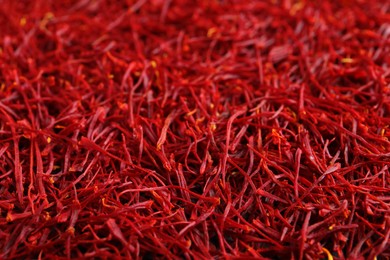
(195,129)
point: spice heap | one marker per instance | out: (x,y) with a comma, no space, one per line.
(195,129)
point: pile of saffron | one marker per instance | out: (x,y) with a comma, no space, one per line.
(202,129)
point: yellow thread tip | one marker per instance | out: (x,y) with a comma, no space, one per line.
(23,21)
(71,230)
(347,60)
(211,32)
(213,127)
(326,251)
(9,217)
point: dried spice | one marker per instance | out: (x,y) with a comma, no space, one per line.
(195,129)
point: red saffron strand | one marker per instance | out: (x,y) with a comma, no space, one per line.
(194,129)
